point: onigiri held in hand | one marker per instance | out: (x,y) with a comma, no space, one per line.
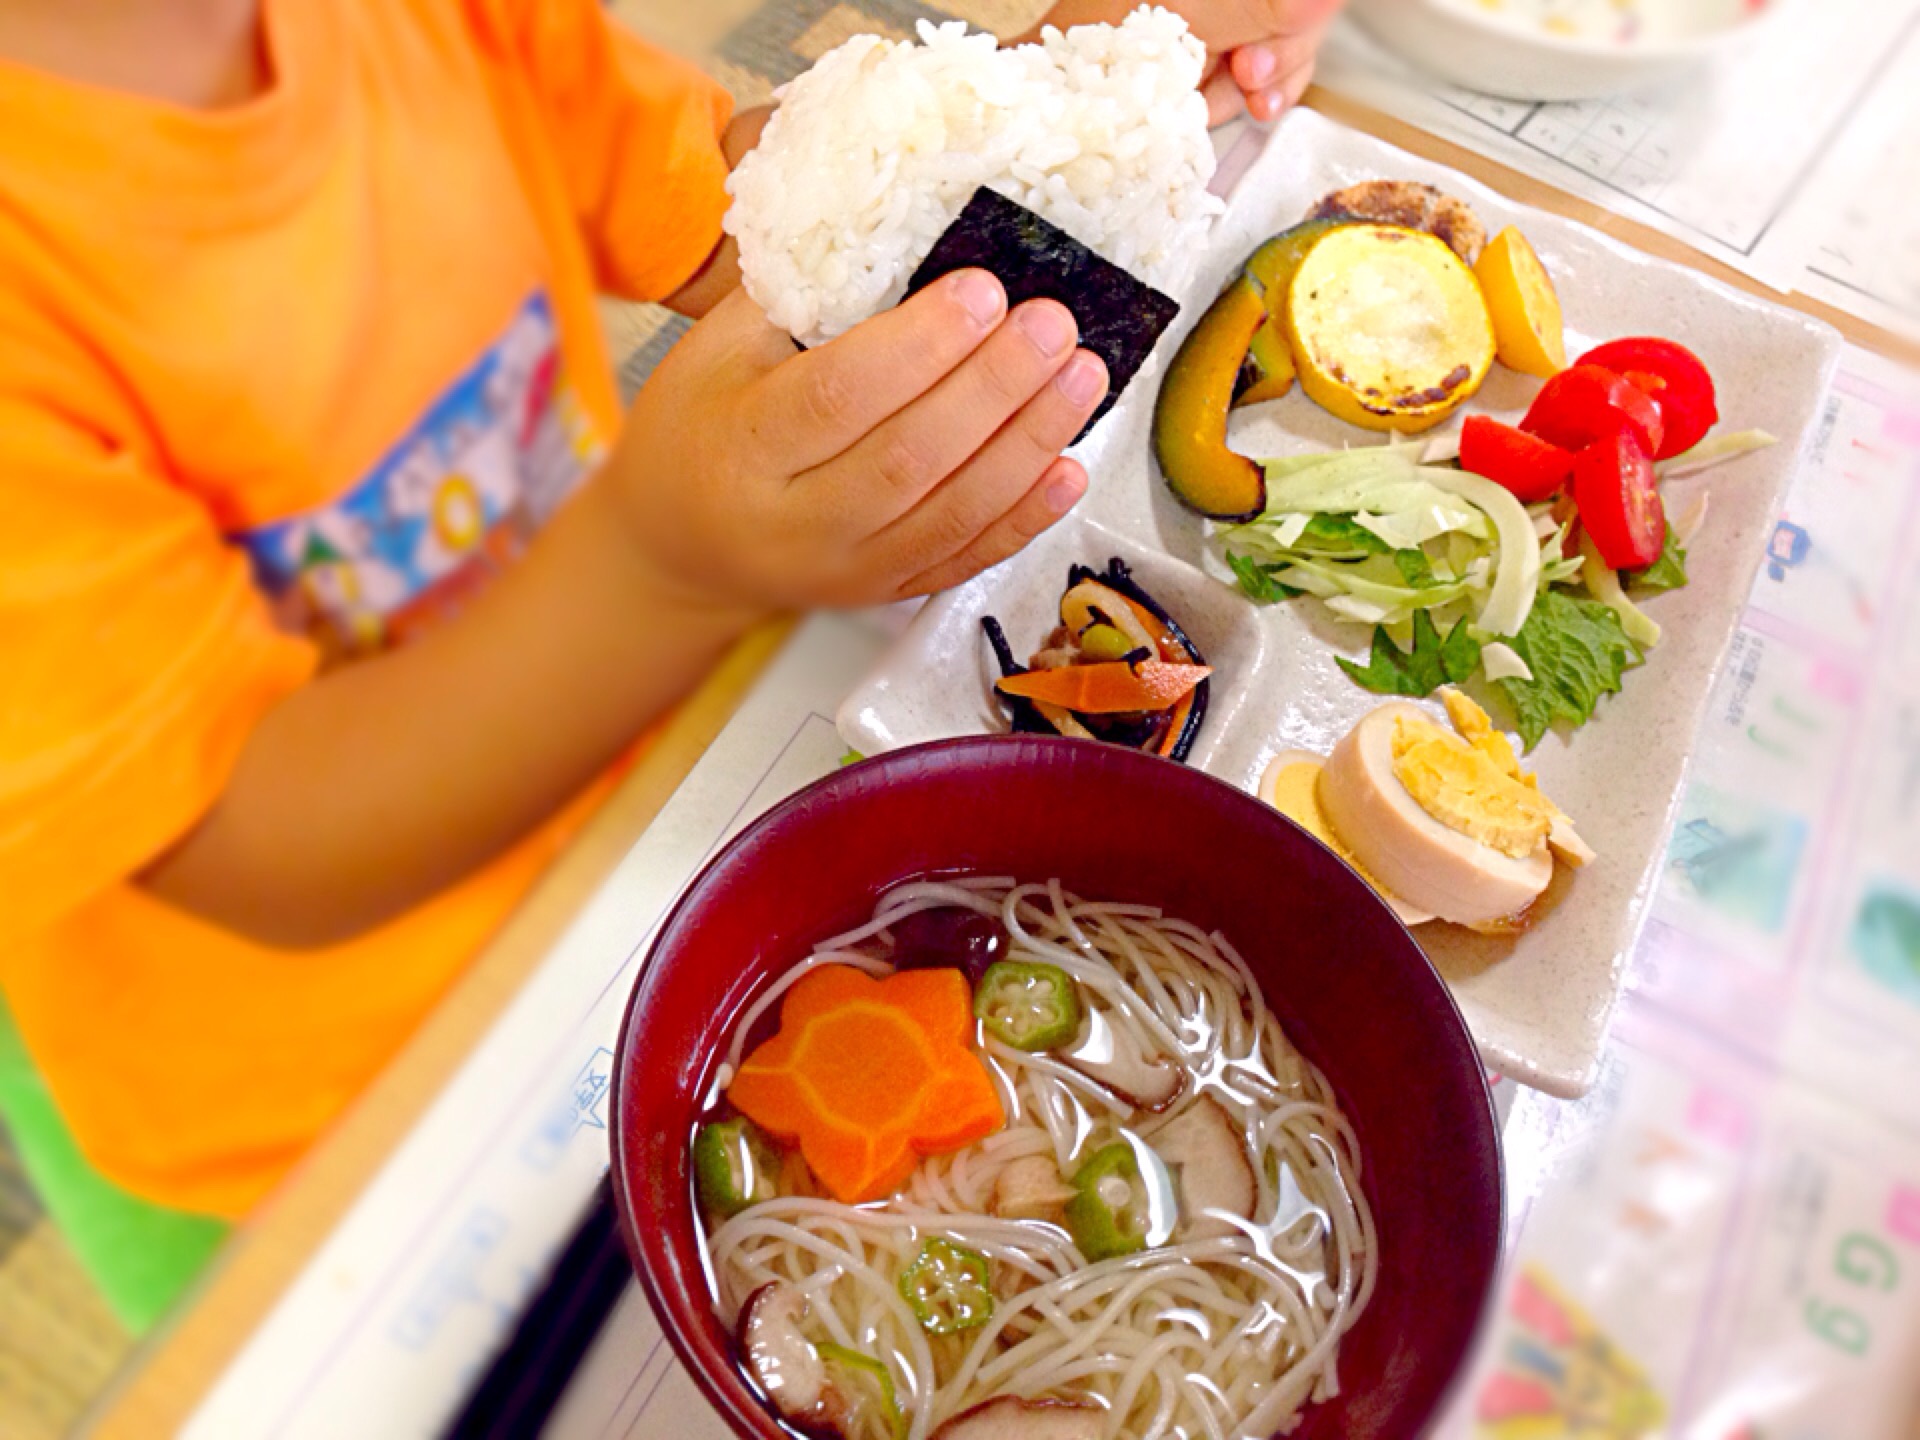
(875,151)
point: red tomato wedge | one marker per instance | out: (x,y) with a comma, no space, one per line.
(1111,688)
(1525,464)
(1675,380)
(1619,501)
(1588,403)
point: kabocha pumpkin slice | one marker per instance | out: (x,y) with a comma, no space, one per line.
(867,1076)
(1268,372)
(1389,327)
(1190,418)
(1527,327)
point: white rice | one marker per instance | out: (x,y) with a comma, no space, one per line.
(876,149)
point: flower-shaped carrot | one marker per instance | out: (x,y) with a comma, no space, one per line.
(869,1075)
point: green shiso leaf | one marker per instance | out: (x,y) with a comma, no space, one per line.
(1577,652)
(1431,663)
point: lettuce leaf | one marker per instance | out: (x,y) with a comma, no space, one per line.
(1431,663)
(1669,572)
(1415,568)
(1382,488)
(1336,534)
(1256,580)
(1577,652)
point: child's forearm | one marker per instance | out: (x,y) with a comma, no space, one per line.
(385,781)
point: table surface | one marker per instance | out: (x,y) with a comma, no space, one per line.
(175,1370)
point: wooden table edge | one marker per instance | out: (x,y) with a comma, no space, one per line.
(174,1371)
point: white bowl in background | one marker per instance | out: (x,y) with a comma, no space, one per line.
(1508,53)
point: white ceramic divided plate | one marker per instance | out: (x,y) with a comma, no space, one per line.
(1538,1004)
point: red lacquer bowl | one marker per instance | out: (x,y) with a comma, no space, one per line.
(1351,987)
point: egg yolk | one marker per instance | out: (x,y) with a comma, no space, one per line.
(1477,730)
(1471,782)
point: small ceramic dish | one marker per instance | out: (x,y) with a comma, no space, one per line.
(937,684)
(1561,49)
(1538,1004)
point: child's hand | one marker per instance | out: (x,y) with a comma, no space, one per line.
(1260,53)
(911,453)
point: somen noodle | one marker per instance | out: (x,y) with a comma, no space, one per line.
(1230,1332)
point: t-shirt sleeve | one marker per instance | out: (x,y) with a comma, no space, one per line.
(136,655)
(637,135)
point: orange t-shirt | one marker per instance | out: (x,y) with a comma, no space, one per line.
(281,382)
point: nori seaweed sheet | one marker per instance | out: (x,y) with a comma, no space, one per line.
(1120,317)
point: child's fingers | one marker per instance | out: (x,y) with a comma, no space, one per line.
(1049,498)
(1287,77)
(1272,104)
(1295,88)
(1269,65)
(954,516)
(1253,66)
(888,474)
(1226,24)
(814,406)
(1224,97)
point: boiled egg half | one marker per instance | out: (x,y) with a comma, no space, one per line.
(1442,822)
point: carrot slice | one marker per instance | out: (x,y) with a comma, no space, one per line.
(867,1076)
(1112,688)
(1176,725)
(1174,653)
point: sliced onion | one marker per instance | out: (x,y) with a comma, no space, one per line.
(1688,524)
(1503,662)
(1516,580)
(1603,583)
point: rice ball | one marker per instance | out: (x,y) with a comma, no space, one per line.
(875,150)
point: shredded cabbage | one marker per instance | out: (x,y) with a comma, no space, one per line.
(1603,583)
(1516,578)
(1715,450)
(1556,566)
(1687,525)
(1372,592)
(1472,539)
(1382,488)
